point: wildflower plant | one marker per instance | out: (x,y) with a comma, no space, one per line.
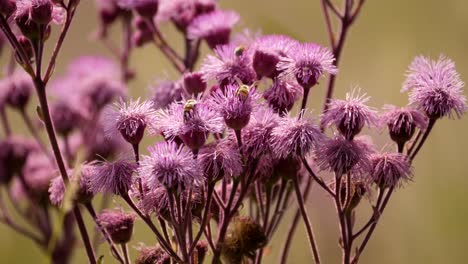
(237,146)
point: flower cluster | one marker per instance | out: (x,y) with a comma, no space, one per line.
(224,135)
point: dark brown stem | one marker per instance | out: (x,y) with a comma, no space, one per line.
(84,235)
(124,248)
(341,217)
(71,9)
(305,217)
(5,122)
(431,124)
(205,218)
(292,228)
(126,47)
(164,244)
(317,178)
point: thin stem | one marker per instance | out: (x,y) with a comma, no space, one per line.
(71,9)
(84,236)
(239,140)
(374,225)
(305,217)
(124,248)
(164,244)
(339,210)
(304,100)
(317,178)
(328,23)
(104,232)
(431,124)
(161,43)
(16,46)
(33,130)
(126,47)
(205,218)
(292,228)
(5,122)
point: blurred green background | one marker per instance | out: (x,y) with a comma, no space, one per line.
(426,222)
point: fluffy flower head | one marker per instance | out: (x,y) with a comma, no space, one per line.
(169,165)
(131,119)
(390,169)
(215,27)
(402,122)
(307,62)
(112,177)
(350,115)
(295,136)
(435,87)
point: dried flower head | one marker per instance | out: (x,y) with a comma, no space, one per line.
(341,155)
(230,64)
(191,121)
(390,169)
(235,103)
(130,119)
(118,224)
(152,255)
(435,87)
(214,27)
(267,51)
(282,95)
(350,115)
(169,165)
(112,177)
(307,62)
(295,136)
(402,122)
(221,159)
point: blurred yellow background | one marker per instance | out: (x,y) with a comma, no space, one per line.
(426,222)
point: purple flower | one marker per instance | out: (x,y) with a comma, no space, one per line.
(191,121)
(118,224)
(295,136)
(83,195)
(282,94)
(166,92)
(18,87)
(230,64)
(256,136)
(67,115)
(341,155)
(145,8)
(402,122)
(169,165)
(93,89)
(235,103)
(267,51)
(130,120)
(194,83)
(390,169)
(38,171)
(7,7)
(183,12)
(435,87)
(350,115)
(112,177)
(221,158)
(214,27)
(14,152)
(307,62)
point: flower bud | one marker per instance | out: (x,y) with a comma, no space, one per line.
(194,83)
(25,24)
(7,7)
(41,11)
(19,91)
